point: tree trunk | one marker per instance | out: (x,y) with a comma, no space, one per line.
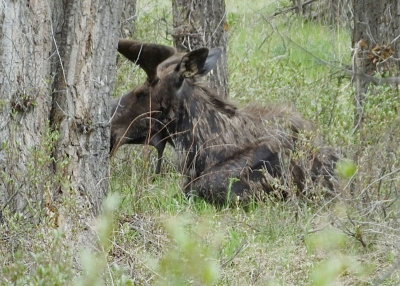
(339,12)
(57,66)
(201,23)
(128,18)
(25,99)
(87,48)
(332,12)
(376,44)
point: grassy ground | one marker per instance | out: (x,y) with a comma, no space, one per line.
(155,236)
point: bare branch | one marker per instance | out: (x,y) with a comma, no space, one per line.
(279,12)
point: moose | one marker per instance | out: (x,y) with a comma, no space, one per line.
(132,108)
(225,153)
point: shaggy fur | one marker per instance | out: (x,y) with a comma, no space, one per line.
(226,153)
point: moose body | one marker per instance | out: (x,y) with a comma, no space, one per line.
(224,152)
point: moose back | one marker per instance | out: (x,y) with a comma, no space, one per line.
(225,153)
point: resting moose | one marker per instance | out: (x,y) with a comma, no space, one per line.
(132,109)
(224,152)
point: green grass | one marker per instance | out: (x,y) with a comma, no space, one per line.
(281,60)
(271,60)
(161,237)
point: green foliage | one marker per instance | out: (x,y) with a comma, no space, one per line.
(42,253)
(153,234)
(39,180)
(49,258)
(95,263)
(346,168)
(339,260)
(154,21)
(281,59)
(191,258)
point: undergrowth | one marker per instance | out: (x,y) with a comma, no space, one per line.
(153,235)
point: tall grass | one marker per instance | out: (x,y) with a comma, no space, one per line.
(158,236)
(288,60)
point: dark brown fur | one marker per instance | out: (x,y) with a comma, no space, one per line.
(225,152)
(128,112)
(130,124)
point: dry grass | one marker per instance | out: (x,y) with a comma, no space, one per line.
(160,237)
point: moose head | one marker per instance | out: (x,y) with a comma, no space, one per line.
(140,116)
(134,115)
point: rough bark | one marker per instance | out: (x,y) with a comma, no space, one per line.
(25,100)
(201,23)
(57,65)
(128,17)
(87,48)
(376,44)
(328,11)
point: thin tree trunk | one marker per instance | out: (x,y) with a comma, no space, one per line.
(201,23)
(331,12)
(128,18)
(376,45)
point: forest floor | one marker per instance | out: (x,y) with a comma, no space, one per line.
(150,234)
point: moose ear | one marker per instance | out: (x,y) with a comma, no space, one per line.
(147,56)
(199,62)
